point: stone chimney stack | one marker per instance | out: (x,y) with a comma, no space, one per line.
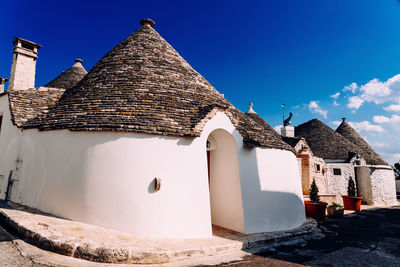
(23,67)
(2,82)
(287,131)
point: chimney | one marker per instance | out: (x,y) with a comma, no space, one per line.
(23,67)
(2,82)
(343,119)
(287,131)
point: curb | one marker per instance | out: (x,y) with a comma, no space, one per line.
(146,255)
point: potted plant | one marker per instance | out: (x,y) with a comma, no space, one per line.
(335,210)
(315,208)
(351,201)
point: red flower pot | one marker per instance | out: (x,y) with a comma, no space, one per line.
(315,210)
(352,203)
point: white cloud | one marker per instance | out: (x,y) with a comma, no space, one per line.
(391,157)
(393,121)
(336,123)
(335,103)
(355,102)
(381,145)
(335,96)
(351,87)
(377,92)
(392,108)
(278,128)
(380,119)
(315,108)
(366,126)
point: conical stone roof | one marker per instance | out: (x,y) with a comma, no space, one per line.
(143,85)
(353,136)
(69,78)
(325,143)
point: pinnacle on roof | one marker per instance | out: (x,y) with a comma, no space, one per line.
(251,109)
(353,136)
(144,86)
(147,22)
(69,78)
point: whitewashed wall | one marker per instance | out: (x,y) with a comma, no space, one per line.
(9,146)
(337,184)
(106,179)
(383,186)
(271,190)
(225,190)
(364,184)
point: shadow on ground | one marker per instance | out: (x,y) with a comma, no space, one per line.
(369,237)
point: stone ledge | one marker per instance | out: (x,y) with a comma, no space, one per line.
(98,244)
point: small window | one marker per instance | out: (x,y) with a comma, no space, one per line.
(337,172)
(318,167)
(1,120)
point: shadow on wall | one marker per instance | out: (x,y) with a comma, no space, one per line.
(278,207)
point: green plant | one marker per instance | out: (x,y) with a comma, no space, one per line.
(314,197)
(336,205)
(351,188)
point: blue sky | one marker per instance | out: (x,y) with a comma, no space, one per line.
(300,53)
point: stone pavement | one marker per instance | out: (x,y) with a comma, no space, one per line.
(97,244)
(367,238)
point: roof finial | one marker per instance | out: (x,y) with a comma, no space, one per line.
(147,22)
(78,63)
(344,119)
(251,111)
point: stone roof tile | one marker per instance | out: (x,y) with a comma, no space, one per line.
(69,78)
(353,136)
(325,143)
(144,86)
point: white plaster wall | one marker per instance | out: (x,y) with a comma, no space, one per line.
(364,184)
(225,190)
(318,176)
(337,184)
(106,179)
(270,182)
(9,146)
(271,190)
(383,186)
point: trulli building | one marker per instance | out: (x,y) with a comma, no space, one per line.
(332,157)
(143,144)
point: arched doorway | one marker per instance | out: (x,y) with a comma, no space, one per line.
(224,181)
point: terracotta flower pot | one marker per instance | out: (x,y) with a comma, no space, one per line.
(335,212)
(352,203)
(315,210)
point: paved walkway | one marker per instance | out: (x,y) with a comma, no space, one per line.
(367,238)
(98,244)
